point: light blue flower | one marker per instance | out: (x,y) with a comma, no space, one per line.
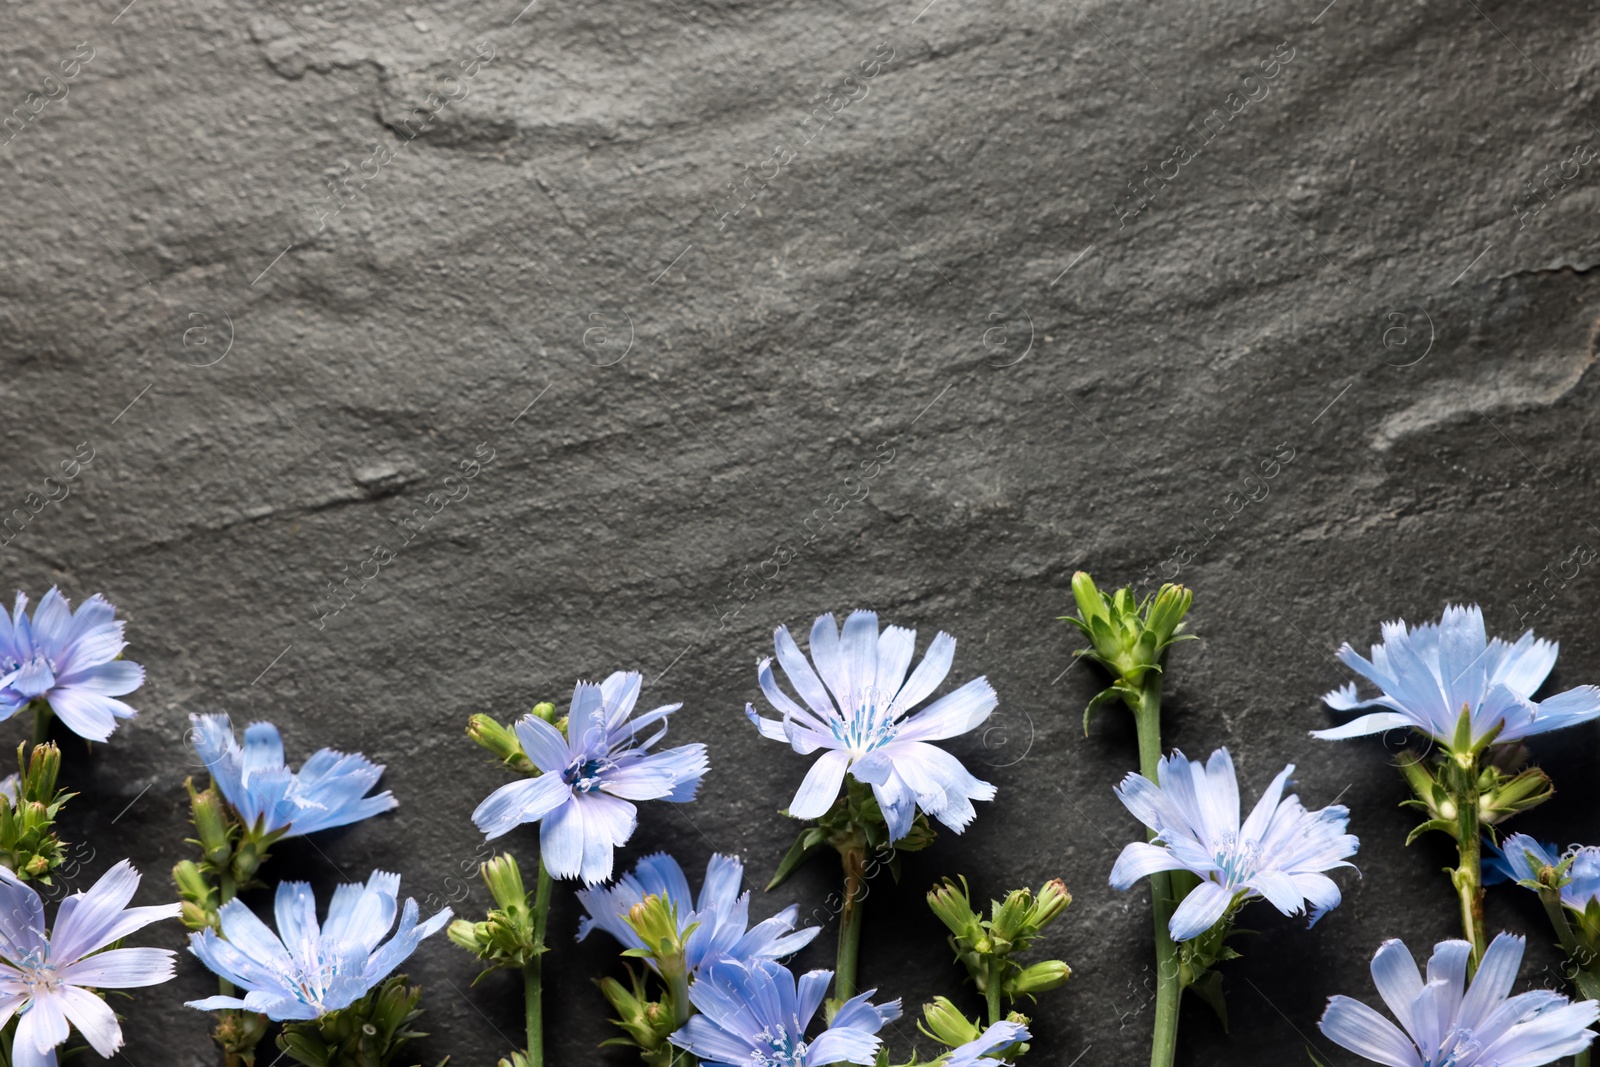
(1279,853)
(69,660)
(756,1015)
(720,920)
(589,777)
(1428,674)
(329,790)
(306,970)
(859,711)
(50,978)
(1444,1022)
(1522,858)
(980,1051)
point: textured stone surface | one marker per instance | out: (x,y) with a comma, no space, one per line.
(280,321)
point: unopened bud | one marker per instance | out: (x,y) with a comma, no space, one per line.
(945,1023)
(1038,978)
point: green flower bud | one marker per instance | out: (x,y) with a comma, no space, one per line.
(1502,796)
(1128,637)
(212,826)
(239,1032)
(647,1023)
(500,740)
(655,920)
(953,906)
(474,937)
(1037,978)
(1053,899)
(945,1023)
(1010,923)
(506,938)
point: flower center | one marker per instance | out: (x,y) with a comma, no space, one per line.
(32,677)
(1236,860)
(870,726)
(1458,1046)
(38,975)
(783,1049)
(311,982)
(584,774)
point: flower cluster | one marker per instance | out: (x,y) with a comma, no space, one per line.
(707,980)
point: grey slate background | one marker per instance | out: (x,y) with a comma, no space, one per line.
(948,273)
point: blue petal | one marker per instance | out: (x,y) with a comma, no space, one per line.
(1140,860)
(263,748)
(930,672)
(858,646)
(522,801)
(952,714)
(896,646)
(820,788)
(1200,910)
(1399,982)
(543,744)
(1354,1026)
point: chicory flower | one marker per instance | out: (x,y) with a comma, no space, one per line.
(1444,1020)
(69,660)
(1279,853)
(329,790)
(757,1013)
(1430,674)
(857,707)
(715,928)
(50,978)
(589,777)
(308,969)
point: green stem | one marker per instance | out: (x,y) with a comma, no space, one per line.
(991,991)
(41,721)
(533,970)
(1169,987)
(855,878)
(1551,899)
(1581,1059)
(226,891)
(678,984)
(1468,876)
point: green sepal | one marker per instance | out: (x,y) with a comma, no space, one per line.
(368,1033)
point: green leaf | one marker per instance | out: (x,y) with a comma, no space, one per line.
(1441,825)
(1209,989)
(798,853)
